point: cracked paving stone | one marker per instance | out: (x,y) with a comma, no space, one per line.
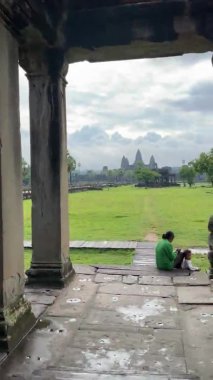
(142,290)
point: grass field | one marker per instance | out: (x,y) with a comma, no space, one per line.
(129,213)
(93,256)
(201,261)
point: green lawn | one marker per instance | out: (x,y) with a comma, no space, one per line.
(129,213)
(93,256)
(201,261)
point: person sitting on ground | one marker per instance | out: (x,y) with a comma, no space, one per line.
(168,259)
(164,253)
(186,262)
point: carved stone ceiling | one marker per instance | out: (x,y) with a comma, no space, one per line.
(100,30)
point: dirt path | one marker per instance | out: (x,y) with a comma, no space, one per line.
(151,236)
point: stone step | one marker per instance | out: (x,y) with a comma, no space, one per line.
(60,374)
(95,244)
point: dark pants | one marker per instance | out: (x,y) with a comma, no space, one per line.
(179,259)
(180,256)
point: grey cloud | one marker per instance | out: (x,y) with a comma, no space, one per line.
(167,150)
(118,138)
(95,148)
(88,135)
(86,98)
(152,137)
(125,103)
(198,99)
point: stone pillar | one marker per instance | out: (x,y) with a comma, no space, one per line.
(50,264)
(15,312)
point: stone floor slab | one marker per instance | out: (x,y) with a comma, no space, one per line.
(122,331)
(197,324)
(145,251)
(159,364)
(73,299)
(186,377)
(195,295)
(40,348)
(143,270)
(166,343)
(150,341)
(122,272)
(196,279)
(100,361)
(39,298)
(129,279)
(125,318)
(56,374)
(143,290)
(84,269)
(103,244)
(155,280)
(144,262)
(105,278)
(112,302)
(110,340)
(38,309)
(144,244)
(133,311)
(43,291)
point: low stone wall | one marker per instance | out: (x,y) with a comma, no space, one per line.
(76,189)
(158,185)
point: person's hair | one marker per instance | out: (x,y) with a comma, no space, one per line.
(168,235)
(187,254)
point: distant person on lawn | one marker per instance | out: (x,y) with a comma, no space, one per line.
(167,258)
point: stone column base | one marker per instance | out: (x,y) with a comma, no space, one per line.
(15,322)
(49,275)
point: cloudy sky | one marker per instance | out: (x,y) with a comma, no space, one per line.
(161,106)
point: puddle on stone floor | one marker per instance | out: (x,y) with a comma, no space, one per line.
(138,314)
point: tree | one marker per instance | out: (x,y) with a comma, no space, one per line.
(145,175)
(114,174)
(165,172)
(71,165)
(120,174)
(129,175)
(91,175)
(26,172)
(187,174)
(204,164)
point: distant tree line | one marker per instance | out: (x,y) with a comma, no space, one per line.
(202,165)
(26,173)
(26,170)
(141,174)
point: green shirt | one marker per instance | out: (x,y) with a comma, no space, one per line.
(164,255)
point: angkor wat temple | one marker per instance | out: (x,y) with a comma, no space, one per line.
(125,165)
